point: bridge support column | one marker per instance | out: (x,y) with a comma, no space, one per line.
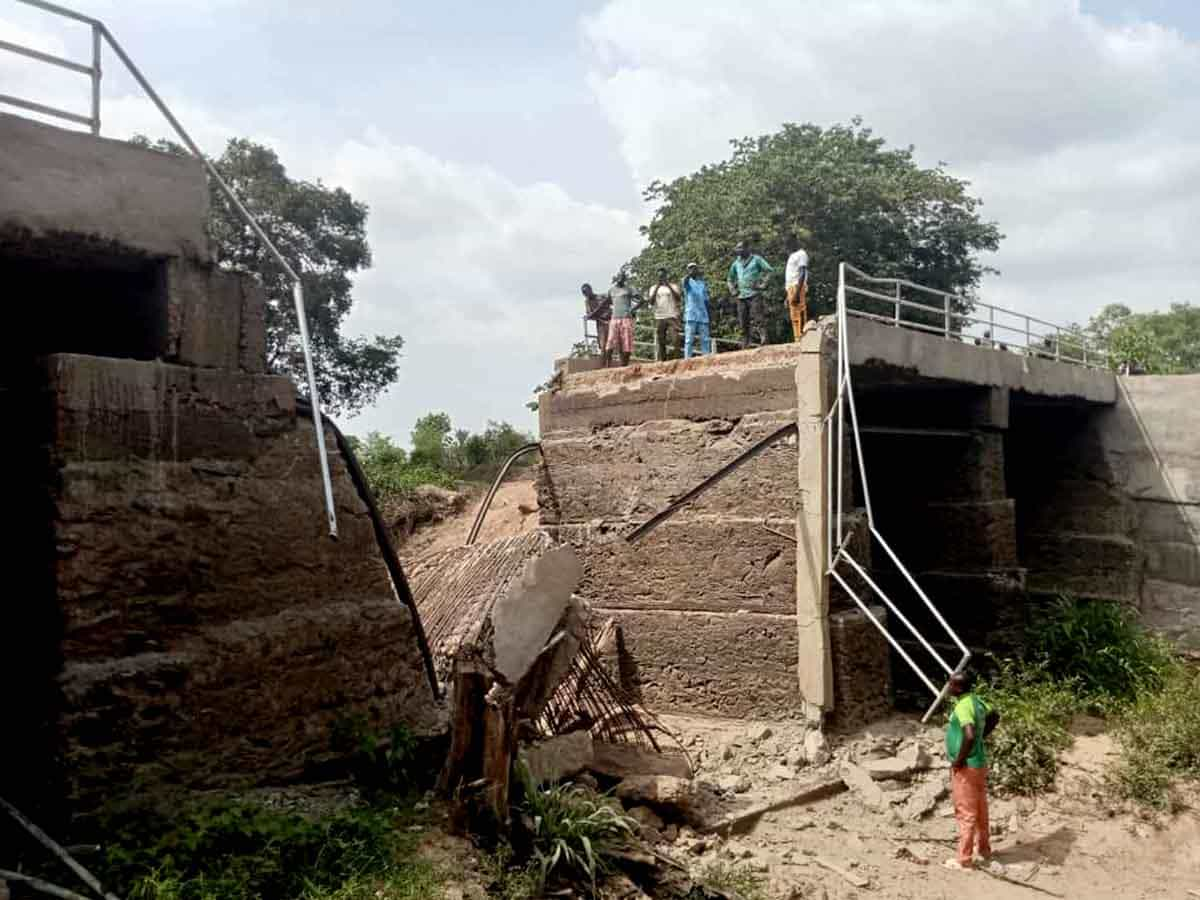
(815,380)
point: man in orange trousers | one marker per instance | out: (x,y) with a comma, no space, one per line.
(971,721)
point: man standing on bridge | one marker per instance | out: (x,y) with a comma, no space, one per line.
(666,299)
(620,327)
(796,282)
(746,280)
(971,721)
(695,311)
(598,308)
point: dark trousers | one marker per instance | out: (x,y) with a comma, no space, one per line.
(752,320)
(666,334)
(602,334)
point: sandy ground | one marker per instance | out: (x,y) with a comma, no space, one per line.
(513,511)
(1068,842)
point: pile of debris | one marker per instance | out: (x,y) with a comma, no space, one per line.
(522,664)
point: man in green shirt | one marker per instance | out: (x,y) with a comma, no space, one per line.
(971,721)
(746,280)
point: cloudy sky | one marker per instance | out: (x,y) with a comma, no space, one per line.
(501,146)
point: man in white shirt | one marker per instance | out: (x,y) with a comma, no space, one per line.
(796,281)
(666,299)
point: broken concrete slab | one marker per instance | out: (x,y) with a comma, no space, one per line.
(559,757)
(816,748)
(925,798)
(912,759)
(742,820)
(525,617)
(624,760)
(860,781)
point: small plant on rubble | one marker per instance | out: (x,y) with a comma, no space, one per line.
(732,878)
(571,829)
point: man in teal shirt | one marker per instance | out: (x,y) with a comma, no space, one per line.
(746,280)
(971,721)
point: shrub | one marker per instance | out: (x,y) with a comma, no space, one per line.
(1159,738)
(1035,716)
(1102,648)
(231,851)
(572,830)
(379,763)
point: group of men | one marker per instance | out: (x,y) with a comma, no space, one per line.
(689,303)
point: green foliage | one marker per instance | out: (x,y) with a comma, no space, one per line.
(736,879)
(1157,343)
(429,439)
(572,829)
(507,881)
(1102,648)
(842,192)
(389,470)
(229,851)
(1036,711)
(1159,737)
(380,763)
(322,232)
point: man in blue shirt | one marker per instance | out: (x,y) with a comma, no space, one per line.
(746,280)
(695,311)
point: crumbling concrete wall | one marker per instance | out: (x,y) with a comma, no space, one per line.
(212,631)
(707,600)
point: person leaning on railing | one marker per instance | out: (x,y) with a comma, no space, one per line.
(598,308)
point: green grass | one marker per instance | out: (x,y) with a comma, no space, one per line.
(572,830)
(1159,739)
(1102,649)
(1036,711)
(734,878)
(238,851)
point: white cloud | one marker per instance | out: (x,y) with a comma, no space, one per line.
(479,274)
(1081,136)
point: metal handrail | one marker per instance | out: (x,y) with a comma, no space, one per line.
(959,313)
(843,413)
(100,34)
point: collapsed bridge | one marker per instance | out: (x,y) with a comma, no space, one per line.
(1002,472)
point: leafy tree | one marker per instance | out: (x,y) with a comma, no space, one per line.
(430,437)
(1155,342)
(842,192)
(321,231)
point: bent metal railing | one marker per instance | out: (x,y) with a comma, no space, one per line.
(101,35)
(892,301)
(838,537)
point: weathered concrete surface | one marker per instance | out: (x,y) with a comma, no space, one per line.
(212,633)
(215,319)
(1151,439)
(917,355)
(620,444)
(709,563)
(727,385)
(59,182)
(525,617)
(629,472)
(740,665)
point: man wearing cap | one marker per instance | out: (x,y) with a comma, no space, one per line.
(746,280)
(695,311)
(795,280)
(665,297)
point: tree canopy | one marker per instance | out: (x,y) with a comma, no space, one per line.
(1159,343)
(321,232)
(842,192)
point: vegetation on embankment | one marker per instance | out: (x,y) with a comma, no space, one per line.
(1095,657)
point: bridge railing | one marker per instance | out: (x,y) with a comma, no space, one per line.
(100,36)
(905,304)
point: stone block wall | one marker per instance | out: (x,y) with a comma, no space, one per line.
(706,601)
(862,671)
(212,632)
